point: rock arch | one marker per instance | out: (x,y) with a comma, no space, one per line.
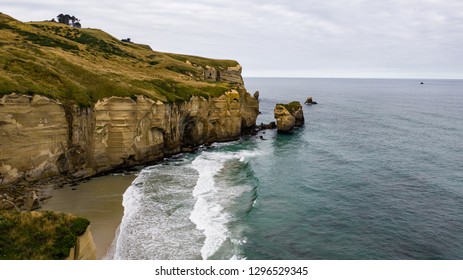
(194,131)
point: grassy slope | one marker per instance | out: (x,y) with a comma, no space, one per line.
(84,65)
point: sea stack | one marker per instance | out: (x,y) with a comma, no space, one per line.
(310,101)
(288,116)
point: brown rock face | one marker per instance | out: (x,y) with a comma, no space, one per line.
(285,121)
(288,116)
(226,75)
(33,132)
(42,137)
(128,131)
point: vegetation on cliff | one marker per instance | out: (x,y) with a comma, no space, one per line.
(291,106)
(38,235)
(83,65)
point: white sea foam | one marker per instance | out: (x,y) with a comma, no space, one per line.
(155,224)
(210,211)
(179,210)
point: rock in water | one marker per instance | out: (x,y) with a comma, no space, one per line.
(256,95)
(285,121)
(288,116)
(310,101)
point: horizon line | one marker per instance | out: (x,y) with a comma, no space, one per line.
(325,77)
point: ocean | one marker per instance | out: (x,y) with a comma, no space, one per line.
(375,173)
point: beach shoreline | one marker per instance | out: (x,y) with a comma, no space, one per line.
(99,199)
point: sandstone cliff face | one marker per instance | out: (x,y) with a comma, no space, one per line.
(33,133)
(129,131)
(43,138)
(226,75)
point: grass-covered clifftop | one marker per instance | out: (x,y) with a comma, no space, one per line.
(81,66)
(38,235)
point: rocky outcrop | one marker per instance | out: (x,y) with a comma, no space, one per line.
(85,248)
(32,201)
(7,203)
(288,116)
(230,74)
(44,138)
(309,101)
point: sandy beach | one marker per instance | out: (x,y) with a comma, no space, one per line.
(99,200)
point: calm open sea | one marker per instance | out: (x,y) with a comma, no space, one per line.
(376,173)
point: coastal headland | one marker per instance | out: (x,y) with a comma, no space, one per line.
(77,102)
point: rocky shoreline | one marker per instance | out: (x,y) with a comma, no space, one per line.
(29,196)
(61,147)
(24,195)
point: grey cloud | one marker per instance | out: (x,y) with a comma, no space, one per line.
(276,37)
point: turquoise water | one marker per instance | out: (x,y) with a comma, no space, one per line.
(376,173)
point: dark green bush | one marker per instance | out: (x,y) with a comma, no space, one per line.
(38,235)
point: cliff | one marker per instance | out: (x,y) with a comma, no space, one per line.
(78,102)
(43,138)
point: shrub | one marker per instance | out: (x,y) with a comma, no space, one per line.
(38,235)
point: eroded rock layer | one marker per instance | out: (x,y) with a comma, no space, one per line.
(43,138)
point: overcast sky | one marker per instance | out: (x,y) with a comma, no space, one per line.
(273,38)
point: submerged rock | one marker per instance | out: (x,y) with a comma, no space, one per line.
(288,116)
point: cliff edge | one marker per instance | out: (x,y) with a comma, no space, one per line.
(77,102)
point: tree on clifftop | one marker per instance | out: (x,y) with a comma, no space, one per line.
(69,20)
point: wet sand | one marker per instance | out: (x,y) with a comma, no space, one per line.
(100,201)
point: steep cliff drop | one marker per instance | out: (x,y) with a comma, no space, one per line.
(85,103)
(40,141)
(36,139)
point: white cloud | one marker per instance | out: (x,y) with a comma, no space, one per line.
(411,37)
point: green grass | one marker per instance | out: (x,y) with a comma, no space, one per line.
(82,66)
(220,63)
(38,235)
(183,69)
(38,37)
(292,106)
(175,91)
